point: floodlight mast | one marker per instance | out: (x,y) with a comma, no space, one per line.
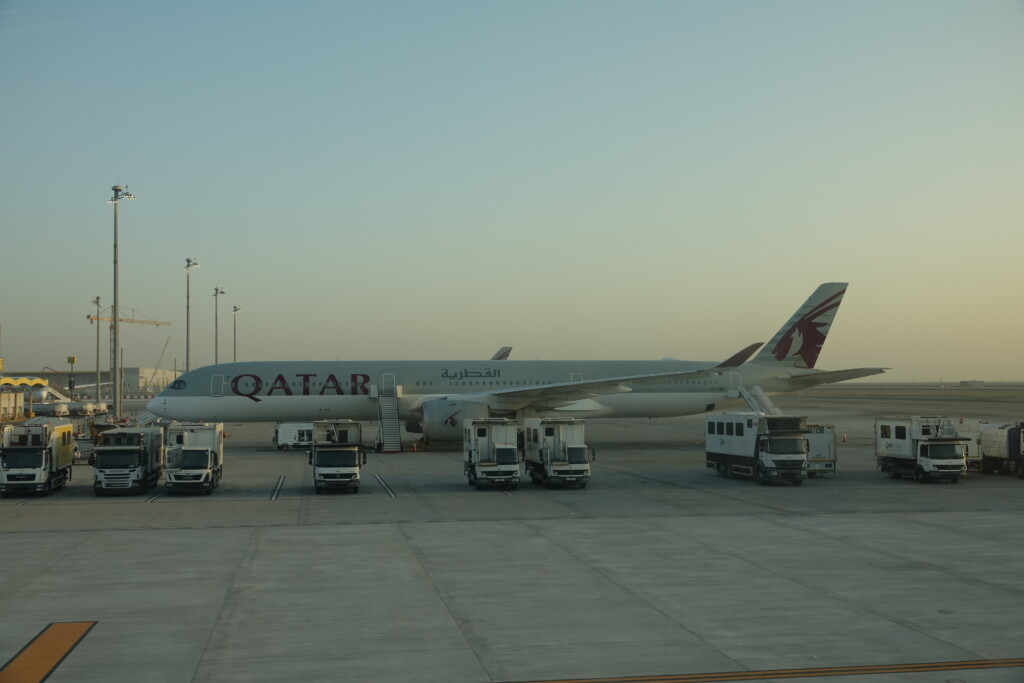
(115,368)
(190,263)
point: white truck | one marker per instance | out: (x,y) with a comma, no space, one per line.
(337,455)
(490,453)
(922,447)
(766,447)
(821,450)
(128,459)
(194,457)
(297,435)
(556,451)
(994,448)
(36,456)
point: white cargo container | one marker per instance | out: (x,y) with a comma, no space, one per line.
(128,459)
(36,456)
(194,457)
(337,455)
(490,454)
(297,435)
(766,447)
(922,447)
(556,451)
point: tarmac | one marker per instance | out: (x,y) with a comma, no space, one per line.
(659,571)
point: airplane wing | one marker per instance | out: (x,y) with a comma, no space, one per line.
(813,379)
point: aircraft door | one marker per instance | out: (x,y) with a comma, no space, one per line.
(217,385)
(388,384)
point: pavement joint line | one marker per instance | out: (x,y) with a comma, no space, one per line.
(154,497)
(769,674)
(44,653)
(277,489)
(387,488)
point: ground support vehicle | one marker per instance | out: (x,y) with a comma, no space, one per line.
(128,459)
(490,453)
(556,452)
(337,455)
(295,435)
(194,457)
(767,448)
(922,447)
(36,456)
(821,450)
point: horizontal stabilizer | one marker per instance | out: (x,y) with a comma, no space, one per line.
(816,378)
(740,357)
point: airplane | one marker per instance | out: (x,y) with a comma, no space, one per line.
(434,396)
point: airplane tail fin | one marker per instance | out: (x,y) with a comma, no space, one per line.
(798,343)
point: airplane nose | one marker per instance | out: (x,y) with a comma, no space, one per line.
(156,406)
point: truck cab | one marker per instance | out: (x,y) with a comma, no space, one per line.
(920,447)
(127,460)
(766,448)
(194,457)
(36,456)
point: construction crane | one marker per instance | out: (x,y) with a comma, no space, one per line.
(156,368)
(128,320)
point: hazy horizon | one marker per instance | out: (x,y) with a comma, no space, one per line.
(593,180)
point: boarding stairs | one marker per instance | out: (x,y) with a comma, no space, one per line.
(389,436)
(759,401)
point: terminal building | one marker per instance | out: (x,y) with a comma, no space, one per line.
(135,381)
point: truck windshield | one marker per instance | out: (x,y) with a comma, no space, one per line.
(106,460)
(945,451)
(577,455)
(506,456)
(22,459)
(194,460)
(788,446)
(337,458)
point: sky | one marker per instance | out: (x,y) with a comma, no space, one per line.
(575,179)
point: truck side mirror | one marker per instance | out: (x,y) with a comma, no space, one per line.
(309,457)
(593,455)
(364,457)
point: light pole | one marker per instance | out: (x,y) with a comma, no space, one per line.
(119,194)
(190,263)
(234,313)
(217,291)
(71,377)
(96,301)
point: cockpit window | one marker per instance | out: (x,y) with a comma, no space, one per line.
(177,384)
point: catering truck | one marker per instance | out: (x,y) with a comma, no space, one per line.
(297,435)
(920,447)
(128,459)
(36,456)
(766,447)
(556,452)
(490,454)
(337,455)
(194,457)
(821,450)
(994,448)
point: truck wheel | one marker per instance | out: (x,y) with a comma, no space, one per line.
(317,489)
(759,475)
(479,486)
(954,480)
(893,474)
(728,470)
(583,485)
(919,476)
(209,491)
(1020,469)
(797,482)
(355,490)
(720,468)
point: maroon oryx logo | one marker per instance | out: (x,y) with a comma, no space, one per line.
(805,338)
(451,420)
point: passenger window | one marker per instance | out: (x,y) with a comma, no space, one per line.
(901,432)
(711,427)
(885,432)
(728,428)
(739,429)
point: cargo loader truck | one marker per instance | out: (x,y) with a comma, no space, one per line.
(920,447)
(995,448)
(337,455)
(556,452)
(36,456)
(821,450)
(194,457)
(128,460)
(490,453)
(768,448)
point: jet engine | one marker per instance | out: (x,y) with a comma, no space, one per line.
(442,418)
